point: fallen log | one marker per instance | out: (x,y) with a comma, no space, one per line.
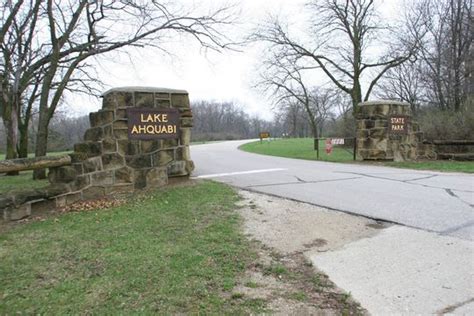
(22,164)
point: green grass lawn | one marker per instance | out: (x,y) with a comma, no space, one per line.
(438,165)
(176,250)
(303,148)
(25,179)
(300,148)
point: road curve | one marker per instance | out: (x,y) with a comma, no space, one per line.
(432,201)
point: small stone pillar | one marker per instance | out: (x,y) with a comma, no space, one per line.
(386,131)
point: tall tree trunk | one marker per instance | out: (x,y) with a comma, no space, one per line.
(42,141)
(23,146)
(10,120)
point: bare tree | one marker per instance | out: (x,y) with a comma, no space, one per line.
(446,50)
(404,83)
(342,31)
(38,66)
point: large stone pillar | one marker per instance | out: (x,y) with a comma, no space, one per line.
(386,131)
(138,140)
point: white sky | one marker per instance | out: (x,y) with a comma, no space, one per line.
(225,77)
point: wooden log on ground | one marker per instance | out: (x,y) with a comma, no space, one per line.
(22,164)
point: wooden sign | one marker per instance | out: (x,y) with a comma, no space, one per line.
(398,124)
(337,141)
(264,135)
(149,124)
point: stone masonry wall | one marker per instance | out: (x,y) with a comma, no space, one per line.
(108,162)
(375,142)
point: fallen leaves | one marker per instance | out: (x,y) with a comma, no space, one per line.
(92,205)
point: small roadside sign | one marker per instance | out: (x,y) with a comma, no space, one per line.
(264,135)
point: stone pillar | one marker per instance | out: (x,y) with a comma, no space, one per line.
(386,131)
(111,160)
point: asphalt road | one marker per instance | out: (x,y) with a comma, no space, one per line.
(428,200)
(422,264)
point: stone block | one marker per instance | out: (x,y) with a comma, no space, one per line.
(120,188)
(78,167)
(362,133)
(109,101)
(365,124)
(81,182)
(170,143)
(112,161)
(140,178)
(183,153)
(77,157)
(379,110)
(5,202)
(94,134)
(162,95)
(108,131)
(144,100)
(163,157)
(102,178)
(139,162)
(379,132)
(163,104)
(63,174)
(185,137)
(128,147)
(43,206)
(123,99)
(120,124)
(93,192)
(92,164)
(186,122)
(124,175)
(55,189)
(150,146)
(121,134)
(91,149)
(176,168)
(109,145)
(185,112)
(120,114)
(189,166)
(101,118)
(156,177)
(73,197)
(381,123)
(60,201)
(17,213)
(180,100)
(22,196)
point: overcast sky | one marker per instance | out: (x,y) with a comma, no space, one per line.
(225,77)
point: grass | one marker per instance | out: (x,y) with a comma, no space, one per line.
(24,179)
(300,148)
(177,250)
(303,148)
(438,165)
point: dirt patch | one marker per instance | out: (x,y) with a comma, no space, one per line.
(286,234)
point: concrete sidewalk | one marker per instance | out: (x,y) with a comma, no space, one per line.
(405,271)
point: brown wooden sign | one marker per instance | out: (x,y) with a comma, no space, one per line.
(398,124)
(149,124)
(264,135)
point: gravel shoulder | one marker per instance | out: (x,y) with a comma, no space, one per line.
(286,234)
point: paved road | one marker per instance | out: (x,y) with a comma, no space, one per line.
(428,200)
(422,265)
